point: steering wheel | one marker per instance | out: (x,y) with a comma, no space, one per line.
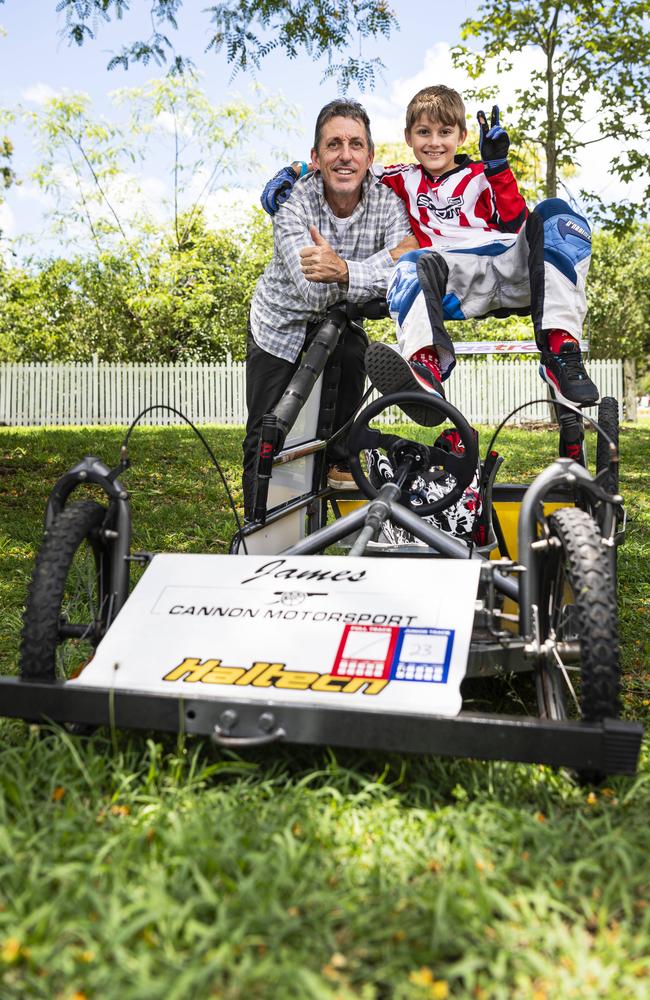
(461,467)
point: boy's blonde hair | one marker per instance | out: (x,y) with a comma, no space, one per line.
(440,104)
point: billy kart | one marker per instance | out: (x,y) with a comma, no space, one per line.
(379,669)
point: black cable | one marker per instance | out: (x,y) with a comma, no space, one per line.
(213,457)
(555,402)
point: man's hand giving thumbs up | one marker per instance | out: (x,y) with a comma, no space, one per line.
(321,263)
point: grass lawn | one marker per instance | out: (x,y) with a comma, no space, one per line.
(143,867)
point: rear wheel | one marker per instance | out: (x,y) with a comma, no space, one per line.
(608,420)
(69,602)
(579,675)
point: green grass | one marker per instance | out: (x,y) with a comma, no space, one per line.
(143,868)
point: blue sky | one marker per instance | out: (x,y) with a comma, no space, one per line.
(36,61)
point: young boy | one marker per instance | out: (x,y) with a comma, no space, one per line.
(481,253)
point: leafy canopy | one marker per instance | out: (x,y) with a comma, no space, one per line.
(247,31)
(594,63)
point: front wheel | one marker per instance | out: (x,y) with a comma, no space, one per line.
(69,600)
(579,675)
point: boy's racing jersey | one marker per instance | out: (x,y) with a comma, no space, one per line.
(464,207)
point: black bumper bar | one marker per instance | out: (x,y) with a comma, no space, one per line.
(611,746)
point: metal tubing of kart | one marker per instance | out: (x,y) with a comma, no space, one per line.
(93,470)
(611,746)
(89,470)
(377,513)
(121,567)
(437,539)
(328,535)
(313,364)
(451,547)
(565,472)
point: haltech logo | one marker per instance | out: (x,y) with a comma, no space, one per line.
(193,670)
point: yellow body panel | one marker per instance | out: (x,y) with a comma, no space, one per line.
(508,514)
(347,506)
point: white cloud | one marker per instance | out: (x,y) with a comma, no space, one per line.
(225,207)
(39,93)
(7,220)
(30,192)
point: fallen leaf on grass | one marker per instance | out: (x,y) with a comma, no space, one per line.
(422,976)
(436,989)
(10,950)
(120,810)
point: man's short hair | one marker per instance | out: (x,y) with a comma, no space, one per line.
(342,108)
(440,104)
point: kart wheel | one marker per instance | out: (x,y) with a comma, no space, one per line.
(608,420)
(579,676)
(69,603)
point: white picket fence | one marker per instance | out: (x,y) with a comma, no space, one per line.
(101,394)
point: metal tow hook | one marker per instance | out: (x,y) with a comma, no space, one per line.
(229,719)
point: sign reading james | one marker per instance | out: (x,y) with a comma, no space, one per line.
(388,634)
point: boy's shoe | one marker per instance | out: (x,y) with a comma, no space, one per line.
(562,368)
(390,372)
(339,477)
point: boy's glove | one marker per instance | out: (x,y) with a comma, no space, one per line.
(494,141)
(279,187)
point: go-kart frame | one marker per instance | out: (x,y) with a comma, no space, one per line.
(547,635)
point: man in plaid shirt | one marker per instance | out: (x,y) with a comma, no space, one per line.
(335,240)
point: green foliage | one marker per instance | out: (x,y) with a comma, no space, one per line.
(247,31)
(591,50)
(67,310)
(166,304)
(7,175)
(195,305)
(90,164)
(192,304)
(149,290)
(618,290)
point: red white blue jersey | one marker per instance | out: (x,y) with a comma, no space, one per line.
(464,207)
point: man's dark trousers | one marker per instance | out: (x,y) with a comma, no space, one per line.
(267,376)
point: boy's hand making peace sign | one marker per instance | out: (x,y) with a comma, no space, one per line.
(494,141)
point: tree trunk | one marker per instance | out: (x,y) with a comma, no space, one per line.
(629,389)
(550,146)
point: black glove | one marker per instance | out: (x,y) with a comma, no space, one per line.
(494,141)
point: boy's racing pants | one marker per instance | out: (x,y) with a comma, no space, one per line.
(540,270)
